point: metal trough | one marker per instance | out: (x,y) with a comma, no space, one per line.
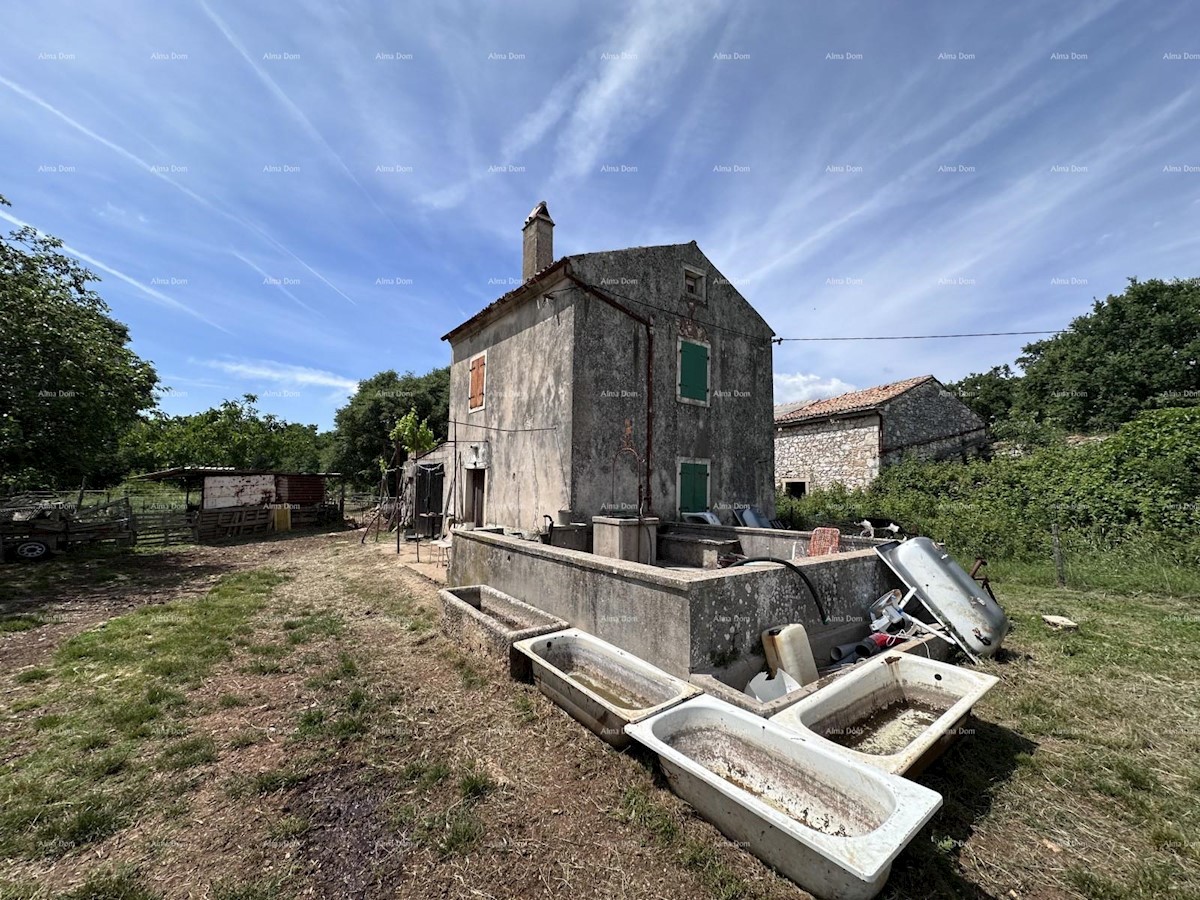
(484,619)
(600,685)
(822,818)
(897,711)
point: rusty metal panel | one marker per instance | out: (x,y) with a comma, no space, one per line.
(301,490)
(224,491)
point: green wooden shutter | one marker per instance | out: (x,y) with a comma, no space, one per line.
(693,487)
(693,371)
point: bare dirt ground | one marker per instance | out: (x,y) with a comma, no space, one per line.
(374,760)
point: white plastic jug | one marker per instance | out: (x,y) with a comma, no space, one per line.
(787,648)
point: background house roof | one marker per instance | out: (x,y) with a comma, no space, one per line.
(856,401)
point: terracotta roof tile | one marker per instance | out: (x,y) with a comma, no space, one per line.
(855,401)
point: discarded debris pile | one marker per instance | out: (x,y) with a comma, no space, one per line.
(820,790)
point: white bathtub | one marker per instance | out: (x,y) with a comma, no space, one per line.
(828,822)
(896,711)
(600,685)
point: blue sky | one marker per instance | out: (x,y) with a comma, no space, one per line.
(283,201)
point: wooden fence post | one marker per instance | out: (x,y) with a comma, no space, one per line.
(1060,576)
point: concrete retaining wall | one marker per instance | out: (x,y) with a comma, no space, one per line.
(679,620)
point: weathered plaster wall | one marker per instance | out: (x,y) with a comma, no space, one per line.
(734,432)
(929,422)
(826,452)
(729,626)
(529,386)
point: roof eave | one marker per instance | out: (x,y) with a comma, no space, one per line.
(502,304)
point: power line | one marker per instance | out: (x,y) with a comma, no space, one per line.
(913,337)
(497,428)
(780,340)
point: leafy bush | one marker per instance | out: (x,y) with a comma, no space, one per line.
(1141,484)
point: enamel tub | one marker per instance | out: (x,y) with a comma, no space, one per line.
(897,712)
(600,685)
(820,817)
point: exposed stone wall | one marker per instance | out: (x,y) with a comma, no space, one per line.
(929,422)
(826,452)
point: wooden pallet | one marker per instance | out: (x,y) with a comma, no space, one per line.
(159,529)
(240,521)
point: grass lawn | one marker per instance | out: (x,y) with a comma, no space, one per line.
(284,720)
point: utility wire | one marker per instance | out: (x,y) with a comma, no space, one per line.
(496,428)
(912,337)
(780,340)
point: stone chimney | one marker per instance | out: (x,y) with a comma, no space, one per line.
(538,242)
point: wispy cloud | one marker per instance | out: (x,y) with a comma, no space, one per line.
(284,373)
(273,280)
(293,108)
(156,295)
(157,172)
(896,248)
(650,49)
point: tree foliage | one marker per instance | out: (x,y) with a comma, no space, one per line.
(1140,484)
(232,434)
(413,435)
(989,394)
(362,436)
(1135,351)
(70,386)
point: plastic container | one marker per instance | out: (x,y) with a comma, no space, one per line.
(787,648)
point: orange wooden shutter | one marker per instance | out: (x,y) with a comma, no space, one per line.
(476,399)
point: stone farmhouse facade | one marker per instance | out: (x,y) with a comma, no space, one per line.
(850,438)
(608,384)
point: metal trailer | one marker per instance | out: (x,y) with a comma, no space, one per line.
(33,526)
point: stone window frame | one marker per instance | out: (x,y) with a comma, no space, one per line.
(701,276)
(483,388)
(679,342)
(680,461)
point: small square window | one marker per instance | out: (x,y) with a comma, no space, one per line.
(693,285)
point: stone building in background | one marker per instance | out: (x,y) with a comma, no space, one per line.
(850,438)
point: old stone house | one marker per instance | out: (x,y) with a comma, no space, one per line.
(607,383)
(848,439)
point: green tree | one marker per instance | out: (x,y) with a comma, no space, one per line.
(70,386)
(232,434)
(988,394)
(1134,351)
(413,435)
(362,435)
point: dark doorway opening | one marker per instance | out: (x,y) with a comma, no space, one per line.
(476,480)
